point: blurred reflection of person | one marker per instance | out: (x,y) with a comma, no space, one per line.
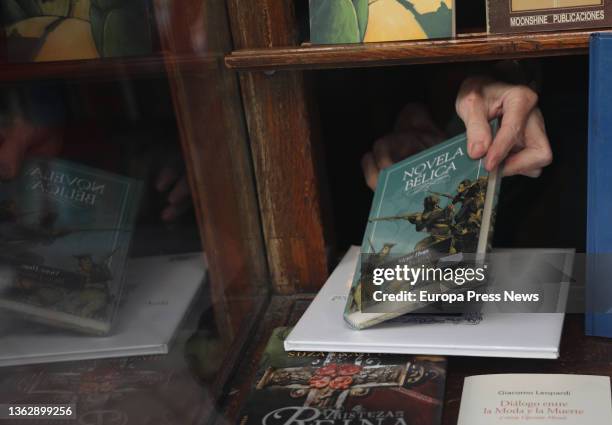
(32,123)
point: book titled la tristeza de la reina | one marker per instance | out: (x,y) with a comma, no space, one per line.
(313,388)
(65,231)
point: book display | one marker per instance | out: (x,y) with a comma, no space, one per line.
(355,212)
(490,333)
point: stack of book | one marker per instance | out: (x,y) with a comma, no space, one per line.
(434,206)
(82,325)
(428,209)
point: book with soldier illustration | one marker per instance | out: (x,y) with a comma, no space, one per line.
(65,232)
(54,30)
(344,388)
(516,16)
(363,21)
(432,206)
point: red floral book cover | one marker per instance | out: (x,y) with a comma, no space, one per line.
(344,388)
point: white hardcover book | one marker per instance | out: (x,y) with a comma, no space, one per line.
(536,399)
(322,327)
(158,293)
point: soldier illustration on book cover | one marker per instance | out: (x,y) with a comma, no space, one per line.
(426,210)
(452,228)
(344,388)
(82,289)
(64,237)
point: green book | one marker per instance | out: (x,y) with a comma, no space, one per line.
(65,232)
(435,204)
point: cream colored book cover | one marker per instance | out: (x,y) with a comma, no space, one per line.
(536,399)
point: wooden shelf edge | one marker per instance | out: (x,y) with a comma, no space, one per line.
(469,47)
(109,68)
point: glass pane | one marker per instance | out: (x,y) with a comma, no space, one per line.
(131,255)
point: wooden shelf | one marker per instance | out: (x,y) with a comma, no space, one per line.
(467,47)
(99,68)
(579,354)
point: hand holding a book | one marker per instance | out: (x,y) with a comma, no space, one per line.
(521,140)
(21,138)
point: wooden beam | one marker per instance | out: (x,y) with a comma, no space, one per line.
(284,149)
(215,144)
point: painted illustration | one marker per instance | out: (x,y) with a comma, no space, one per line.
(357,21)
(343,388)
(452,228)
(64,238)
(426,209)
(53,30)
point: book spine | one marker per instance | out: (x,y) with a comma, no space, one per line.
(599,203)
(133,197)
(487,227)
(591,186)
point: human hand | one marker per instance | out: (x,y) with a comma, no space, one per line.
(521,140)
(175,183)
(22,138)
(414,131)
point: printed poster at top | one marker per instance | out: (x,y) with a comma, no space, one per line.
(55,30)
(364,21)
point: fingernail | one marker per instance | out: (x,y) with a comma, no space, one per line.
(490,164)
(475,149)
